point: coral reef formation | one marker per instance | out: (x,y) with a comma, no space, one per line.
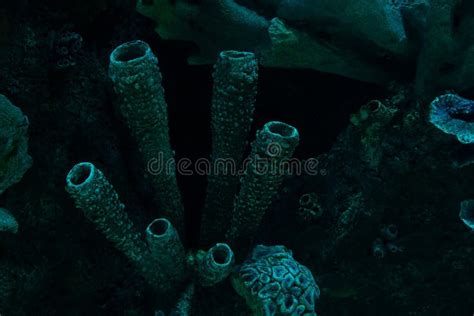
(274,283)
(14,158)
(96,197)
(389,165)
(162,258)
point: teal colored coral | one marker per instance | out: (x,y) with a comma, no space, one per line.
(215,265)
(8,222)
(96,197)
(233,105)
(137,81)
(167,251)
(274,283)
(274,145)
(454,115)
(14,158)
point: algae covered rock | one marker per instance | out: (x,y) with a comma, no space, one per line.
(274,283)
(14,158)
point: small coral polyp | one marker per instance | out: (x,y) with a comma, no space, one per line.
(454,115)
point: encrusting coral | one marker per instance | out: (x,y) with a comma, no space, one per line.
(14,158)
(162,259)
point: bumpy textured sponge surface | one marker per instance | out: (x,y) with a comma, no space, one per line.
(214,265)
(233,104)
(96,197)
(137,81)
(274,283)
(274,145)
(14,158)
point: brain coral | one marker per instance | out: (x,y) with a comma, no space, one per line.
(454,115)
(273,283)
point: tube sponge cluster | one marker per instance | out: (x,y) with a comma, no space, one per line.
(274,283)
(96,197)
(233,104)
(274,145)
(161,257)
(137,81)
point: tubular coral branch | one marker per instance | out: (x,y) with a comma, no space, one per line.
(137,81)
(233,104)
(275,143)
(96,197)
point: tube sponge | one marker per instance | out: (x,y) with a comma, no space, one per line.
(167,250)
(214,265)
(137,81)
(233,104)
(454,115)
(96,197)
(8,223)
(14,158)
(264,173)
(274,283)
